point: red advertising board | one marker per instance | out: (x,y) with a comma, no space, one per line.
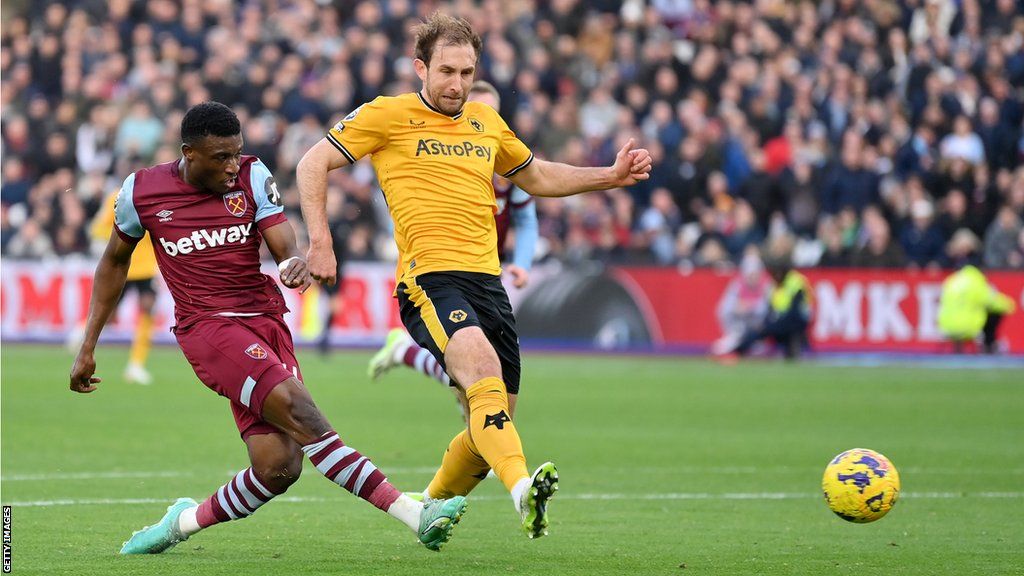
(607,307)
(884,310)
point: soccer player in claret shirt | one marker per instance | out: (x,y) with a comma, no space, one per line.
(206,214)
(514,209)
(434,154)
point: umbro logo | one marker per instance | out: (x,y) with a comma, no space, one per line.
(497,420)
(165,215)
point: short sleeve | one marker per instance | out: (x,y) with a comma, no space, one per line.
(519,197)
(126,218)
(513,155)
(269,205)
(362,132)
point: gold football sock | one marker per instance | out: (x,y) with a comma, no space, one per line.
(462,468)
(493,432)
(142,340)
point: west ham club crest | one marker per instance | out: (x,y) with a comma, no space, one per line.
(256,352)
(235,203)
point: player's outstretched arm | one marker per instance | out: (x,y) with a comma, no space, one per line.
(280,239)
(543,178)
(311,178)
(107,284)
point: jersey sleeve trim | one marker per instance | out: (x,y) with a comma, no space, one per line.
(128,239)
(341,148)
(271,221)
(126,217)
(524,164)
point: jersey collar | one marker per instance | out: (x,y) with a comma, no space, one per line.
(431,107)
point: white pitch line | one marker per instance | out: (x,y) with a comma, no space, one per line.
(739,470)
(90,476)
(561,496)
(59,476)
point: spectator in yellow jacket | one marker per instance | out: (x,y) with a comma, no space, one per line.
(970,306)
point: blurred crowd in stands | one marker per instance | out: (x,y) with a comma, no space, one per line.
(834,132)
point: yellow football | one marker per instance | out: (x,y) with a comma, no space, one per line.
(860,485)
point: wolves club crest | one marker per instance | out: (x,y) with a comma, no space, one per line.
(235,203)
(256,352)
(497,420)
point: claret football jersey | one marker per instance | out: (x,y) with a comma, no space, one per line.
(435,171)
(207,244)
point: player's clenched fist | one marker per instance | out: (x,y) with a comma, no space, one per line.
(295,273)
(82,379)
(321,264)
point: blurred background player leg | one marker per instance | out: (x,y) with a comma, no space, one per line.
(989,332)
(399,349)
(335,305)
(135,372)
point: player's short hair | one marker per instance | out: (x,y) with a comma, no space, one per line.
(485,87)
(209,119)
(441,28)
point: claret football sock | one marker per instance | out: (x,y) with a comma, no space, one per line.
(421,360)
(351,470)
(346,467)
(237,499)
(493,432)
(462,468)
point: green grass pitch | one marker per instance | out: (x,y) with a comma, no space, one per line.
(668,466)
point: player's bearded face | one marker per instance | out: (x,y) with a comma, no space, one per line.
(213,163)
(449,76)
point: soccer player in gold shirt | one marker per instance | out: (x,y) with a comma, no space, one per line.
(434,154)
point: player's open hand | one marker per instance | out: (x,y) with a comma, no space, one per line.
(82,379)
(631,165)
(322,265)
(295,273)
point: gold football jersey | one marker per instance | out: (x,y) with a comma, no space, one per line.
(435,171)
(143,264)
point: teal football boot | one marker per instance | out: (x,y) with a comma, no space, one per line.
(438,519)
(161,536)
